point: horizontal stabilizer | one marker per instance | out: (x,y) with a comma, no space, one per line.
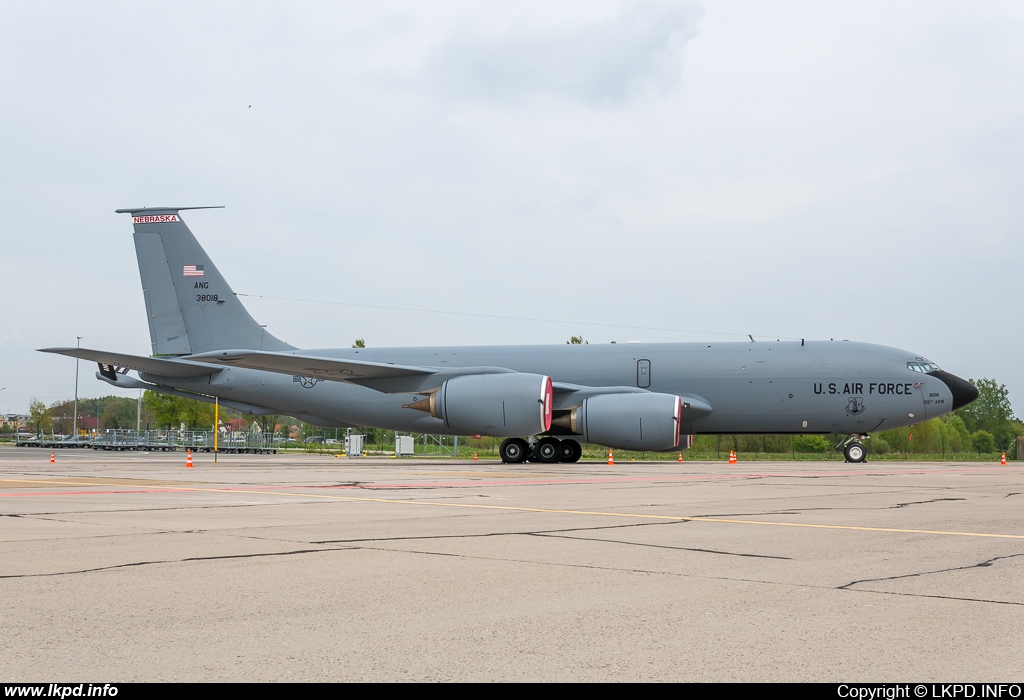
(131,383)
(310,366)
(158,366)
(147,210)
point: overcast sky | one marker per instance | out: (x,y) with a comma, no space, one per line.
(795,170)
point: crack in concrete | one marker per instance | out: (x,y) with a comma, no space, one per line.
(177,561)
(559,534)
(541,563)
(494,534)
(940,597)
(797,511)
(917,503)
(987,562)
(160,510)
(794,511)
(664,546)
(69,521)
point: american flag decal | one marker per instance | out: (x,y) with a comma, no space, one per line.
(193,271)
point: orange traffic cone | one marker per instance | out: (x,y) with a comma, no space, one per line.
(732,456)
(680,457)
(474,457)
(611,462)
(53,459)
(188,461)
(1001,461)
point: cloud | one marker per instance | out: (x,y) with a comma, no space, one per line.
(635,53)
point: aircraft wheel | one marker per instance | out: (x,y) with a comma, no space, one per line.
(571,451)
(855,452)
(548,450)
(513,450)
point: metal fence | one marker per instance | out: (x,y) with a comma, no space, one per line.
(159,441)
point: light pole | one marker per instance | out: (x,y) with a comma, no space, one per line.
(75,430)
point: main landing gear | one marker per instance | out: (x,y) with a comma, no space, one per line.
(854,450)
(547,450)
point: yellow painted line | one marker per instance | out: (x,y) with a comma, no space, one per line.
(697,518)
(641,516)
(607,514)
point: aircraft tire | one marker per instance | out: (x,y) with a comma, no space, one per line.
(548,450)
(571,451)
(513,450)
(855,452)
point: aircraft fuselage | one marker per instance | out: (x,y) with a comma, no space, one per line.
(793,387)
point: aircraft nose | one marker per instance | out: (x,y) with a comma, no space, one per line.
(963,392)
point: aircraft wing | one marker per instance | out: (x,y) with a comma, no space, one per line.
(311,365)
(384,377)
(159,366)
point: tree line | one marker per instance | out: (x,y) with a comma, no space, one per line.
(156,412)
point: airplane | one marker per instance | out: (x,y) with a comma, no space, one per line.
(544,400)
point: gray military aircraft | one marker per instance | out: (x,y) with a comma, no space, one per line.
(543,399)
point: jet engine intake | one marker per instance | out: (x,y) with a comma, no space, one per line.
(628,421)
(501,405)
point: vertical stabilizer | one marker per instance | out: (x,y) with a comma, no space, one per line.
(190,307)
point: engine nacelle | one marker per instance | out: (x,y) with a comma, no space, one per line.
(629,421)
(501,405)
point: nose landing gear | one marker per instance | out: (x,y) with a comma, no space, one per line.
(854,450)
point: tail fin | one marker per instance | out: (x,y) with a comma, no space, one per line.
(190,306)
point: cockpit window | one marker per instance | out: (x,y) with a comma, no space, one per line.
(923,366)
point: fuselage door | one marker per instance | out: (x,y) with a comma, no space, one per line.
(929,398)
(927,389)
(643,373)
